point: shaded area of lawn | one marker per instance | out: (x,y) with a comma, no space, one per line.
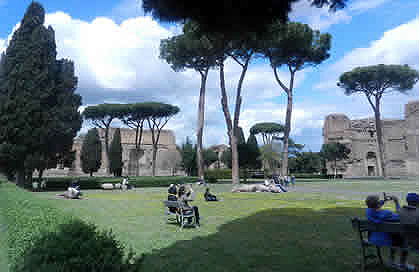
(3,245)
(289,239)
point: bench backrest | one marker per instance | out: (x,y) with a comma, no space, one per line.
(365,225)
(171,204)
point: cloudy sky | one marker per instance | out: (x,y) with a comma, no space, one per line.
(115,48)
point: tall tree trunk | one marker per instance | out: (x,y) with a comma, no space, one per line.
(232,138)
(284,168)
(153,163)
(41,172)
(108,170)
(200,125)
(20,179)
(380,144)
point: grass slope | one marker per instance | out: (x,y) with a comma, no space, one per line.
(25,215)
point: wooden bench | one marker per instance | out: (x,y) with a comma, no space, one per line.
(183,215)
(362,227)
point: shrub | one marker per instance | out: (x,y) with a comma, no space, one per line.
(76,246)
(62,183)
(213,175)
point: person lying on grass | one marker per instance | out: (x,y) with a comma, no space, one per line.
(375,214)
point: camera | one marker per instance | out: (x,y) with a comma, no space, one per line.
(386,197)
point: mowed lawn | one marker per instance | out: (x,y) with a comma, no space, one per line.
(305,229)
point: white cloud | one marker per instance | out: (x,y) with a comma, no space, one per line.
(322,18)
(3,45)
(399,45)
(119,63)
(363,5)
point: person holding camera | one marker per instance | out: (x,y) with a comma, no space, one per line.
(375,214)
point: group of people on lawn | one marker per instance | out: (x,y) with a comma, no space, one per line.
(185,194)
(408,216)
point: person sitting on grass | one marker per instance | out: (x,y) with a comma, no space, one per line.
(208,196)
(375,214)
(409,218)
(184,197)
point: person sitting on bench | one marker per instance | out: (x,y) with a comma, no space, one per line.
(172,196)
(375,214)
(184,197)
(208,196)
(409,218)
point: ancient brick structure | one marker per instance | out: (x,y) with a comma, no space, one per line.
(401,143)
(134,163)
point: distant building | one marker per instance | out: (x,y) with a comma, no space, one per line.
(134,163)
(401,143)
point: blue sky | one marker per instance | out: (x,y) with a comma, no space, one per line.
(115,49)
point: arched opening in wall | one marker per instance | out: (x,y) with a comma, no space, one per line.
(371,163)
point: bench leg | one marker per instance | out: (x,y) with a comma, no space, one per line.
(380,258)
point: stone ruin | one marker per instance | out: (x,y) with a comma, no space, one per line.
(401,144)
(135,163)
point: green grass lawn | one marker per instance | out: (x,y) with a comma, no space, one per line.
(306,229)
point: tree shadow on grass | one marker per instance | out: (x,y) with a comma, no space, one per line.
(287,239)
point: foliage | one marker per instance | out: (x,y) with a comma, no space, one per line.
(334,152)
(102,116)
(253,153)
(375,81)
(188,154)
(213,175)
(62,183)
(91,152)
(188,50)
(306,162)
(234,17)
(296,46)
(268,131)
(115,154)
(134,116)
(270,157)
(94,183)
(75,246)
(209,157)
(226,158)
(38,106)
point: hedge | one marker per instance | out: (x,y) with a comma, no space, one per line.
(213,175)
(86,183)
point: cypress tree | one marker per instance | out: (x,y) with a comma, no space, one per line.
(115,154)
(38,107)
(253,153)
(91,152)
